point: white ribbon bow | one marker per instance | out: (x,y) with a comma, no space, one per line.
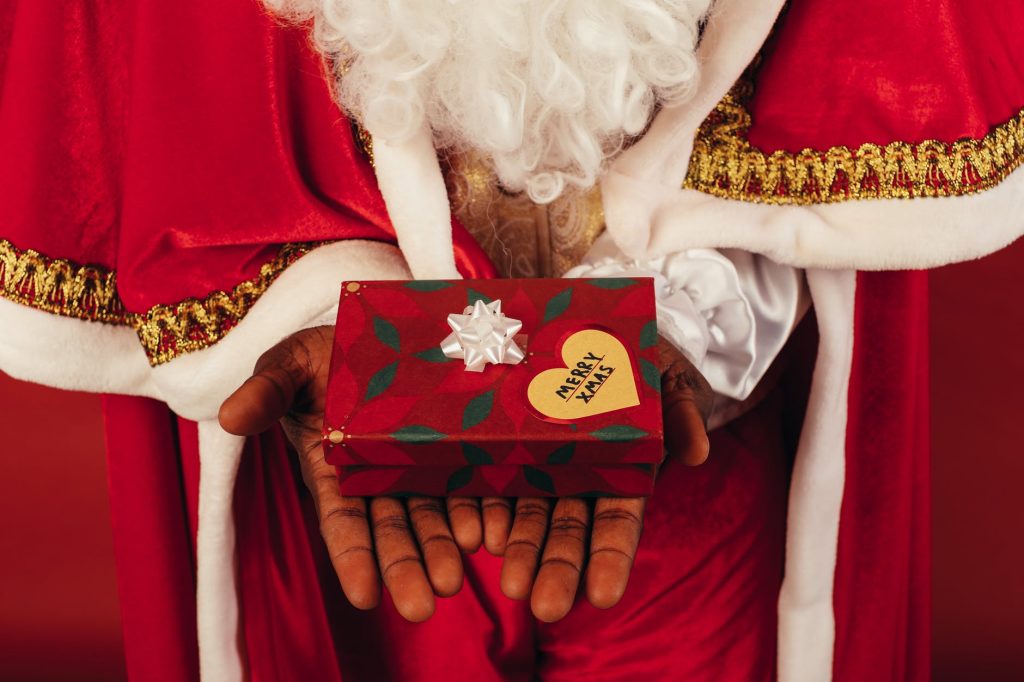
(482,334)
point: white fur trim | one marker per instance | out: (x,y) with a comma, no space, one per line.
(72,354)
(413,188)
(78,355)
(735,31)
(216,595)
(882,234)
(806,617)
(303,296)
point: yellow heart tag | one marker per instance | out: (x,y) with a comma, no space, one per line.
(598,377)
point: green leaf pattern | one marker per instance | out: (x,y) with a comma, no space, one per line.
(618,433)
(538,479)
(562,455)
(459,479)
(650,373)
(558,304)
(417,433)
(472,296)
(428,285)
(476,455)
(380,381)
(649,335)
(433,354)
(386,333)
(612,282)
(477,410)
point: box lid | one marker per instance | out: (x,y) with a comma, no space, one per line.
(587,391)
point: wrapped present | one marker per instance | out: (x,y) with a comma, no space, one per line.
(517,388)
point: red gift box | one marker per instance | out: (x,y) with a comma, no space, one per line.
(580,415)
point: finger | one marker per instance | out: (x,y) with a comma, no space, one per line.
(497,518)
(618,523)
(687,402)
(558,579)
(522,551)
(465,521)
(685,434)
(346,532)
(268,394)
(440,553)
(400,563)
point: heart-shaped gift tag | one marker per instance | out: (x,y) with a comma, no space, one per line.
(598,377)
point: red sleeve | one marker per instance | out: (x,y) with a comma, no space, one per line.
(181,148)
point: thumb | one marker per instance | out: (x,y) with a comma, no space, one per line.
(685,433)
(268,394)
(687,400)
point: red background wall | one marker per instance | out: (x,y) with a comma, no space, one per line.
(978,468)
(58,603)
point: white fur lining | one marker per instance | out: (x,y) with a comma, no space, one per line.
(411,182)
(735,31)
(882,234)
(806,619)
(305,295)
(71,354)
(216,591)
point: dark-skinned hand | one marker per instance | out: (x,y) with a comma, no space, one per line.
(413,544)
(550,546)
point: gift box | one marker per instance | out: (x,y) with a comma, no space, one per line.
(504,387)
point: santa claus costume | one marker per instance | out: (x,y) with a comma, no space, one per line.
(180,191)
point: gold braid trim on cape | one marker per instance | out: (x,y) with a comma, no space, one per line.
(725,164)
(89,292)
(59,286)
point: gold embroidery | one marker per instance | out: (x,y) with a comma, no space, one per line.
(725,164)
(523,239)
(364,141)
(167,331)
(59,286)
(577,220)
(504,224)
(90,293)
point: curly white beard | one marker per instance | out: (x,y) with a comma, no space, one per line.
(546,90)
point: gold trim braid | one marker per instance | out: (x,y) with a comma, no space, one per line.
(59,286)
(88,292)
(168,331)
(725,164)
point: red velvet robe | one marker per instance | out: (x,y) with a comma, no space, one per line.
(182,145)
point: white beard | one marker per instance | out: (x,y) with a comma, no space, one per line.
(545,90)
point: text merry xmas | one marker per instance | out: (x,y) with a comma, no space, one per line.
(584,382)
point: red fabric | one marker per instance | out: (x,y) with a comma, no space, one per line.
(180,143)
(415,421)
(700,605)
(59,613)
(281,563)
(846,72)
(151,501)
(883,577)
